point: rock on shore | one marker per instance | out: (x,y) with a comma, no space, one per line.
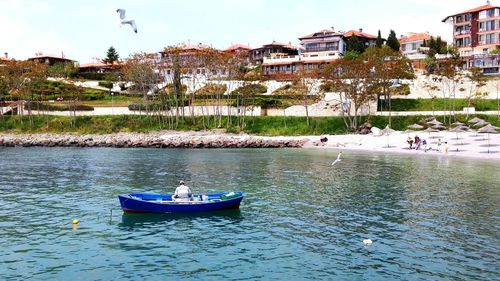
(157,139)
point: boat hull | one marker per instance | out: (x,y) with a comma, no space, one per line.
(162,203)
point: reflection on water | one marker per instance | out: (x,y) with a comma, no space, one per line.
(140,220)
(431,218)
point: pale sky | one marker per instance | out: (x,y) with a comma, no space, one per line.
(86,29)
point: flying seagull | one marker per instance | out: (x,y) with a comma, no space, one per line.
(126,21)
(338,158)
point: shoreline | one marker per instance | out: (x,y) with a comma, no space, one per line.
(468,144)
(162,139)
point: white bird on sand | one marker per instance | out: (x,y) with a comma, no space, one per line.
(367,241)
(126,21)
(338,158)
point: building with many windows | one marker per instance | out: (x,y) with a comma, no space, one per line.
(272,50)
(414,43)
(316,50)
(367,39)
(476,31)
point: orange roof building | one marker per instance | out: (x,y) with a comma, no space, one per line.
(476,30)
(317,49)
(50,59)
(413,43)
(100,67)
(368,39)
(273,49)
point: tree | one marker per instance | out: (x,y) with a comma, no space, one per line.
(392,41)
(432,89)
(141,72)
(352,78)
(379,41)
(450,74)
(389,67)
(20,79)
(478,80)
(355,45)
(111,56)
(62,70)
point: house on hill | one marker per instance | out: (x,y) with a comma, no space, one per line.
(476,33)
(100,67)
(273,49)
(50,59)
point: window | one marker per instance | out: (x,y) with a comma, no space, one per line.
(332,46)
(487,25)
(312,47)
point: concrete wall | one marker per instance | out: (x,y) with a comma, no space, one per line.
(418,90)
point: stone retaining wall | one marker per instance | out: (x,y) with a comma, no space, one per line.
(149,140)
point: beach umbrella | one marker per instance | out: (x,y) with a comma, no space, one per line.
(457,123)
(489,129)
(474,120)
(430,130)
(434,122)
(387,131)
(480,123)
(439,127)
(415,127)
(459,129)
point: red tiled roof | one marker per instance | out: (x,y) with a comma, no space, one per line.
(321,33)
(359,34)
(5,59)
(101,64)
(474,10)
(274,43)
(237,46)
(412,37)
(49,56)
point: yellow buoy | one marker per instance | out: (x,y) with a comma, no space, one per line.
(75,221)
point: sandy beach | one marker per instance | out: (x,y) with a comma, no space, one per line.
(467,144)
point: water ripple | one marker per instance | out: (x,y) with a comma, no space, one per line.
(430,218)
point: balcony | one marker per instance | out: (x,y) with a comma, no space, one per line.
(280,59)
(461,32)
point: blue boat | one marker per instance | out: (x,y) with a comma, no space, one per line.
(163,203)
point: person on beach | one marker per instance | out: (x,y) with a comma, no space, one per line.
(410,142)
(417,142)
(446,147)
(183,192)
(439,143)
(424,143)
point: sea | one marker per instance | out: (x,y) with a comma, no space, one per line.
(428,217)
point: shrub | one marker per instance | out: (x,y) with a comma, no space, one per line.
(92,94)
(250,90)
(156,105)
(290,90)
(212,89)
(106,84)
(439,104)
(57,107)
(92,75)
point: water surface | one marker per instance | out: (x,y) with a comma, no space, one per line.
(302,219)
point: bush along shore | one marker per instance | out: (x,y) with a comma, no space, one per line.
(154,140)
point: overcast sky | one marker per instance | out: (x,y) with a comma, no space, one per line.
(86,29)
